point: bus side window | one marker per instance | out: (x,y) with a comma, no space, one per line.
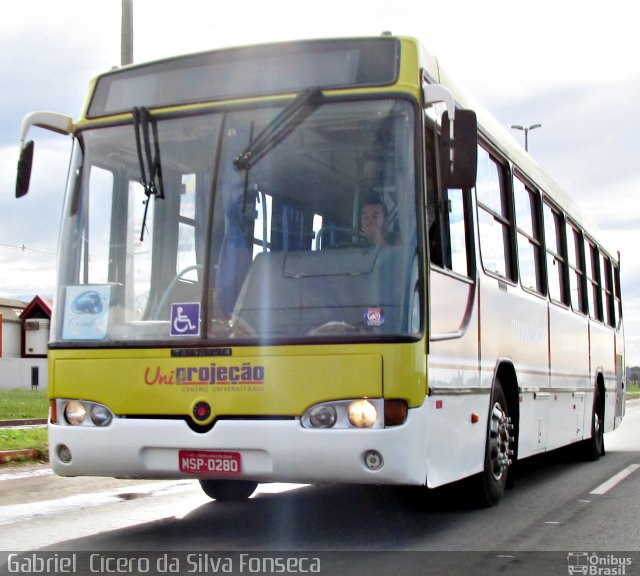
(97,260)
(447,218)
(458,225)
(187,256)
(607,291)
(494,217)
(527,207)
(556,259)
(617,296)
(576,269)
(434,220)
(594,291)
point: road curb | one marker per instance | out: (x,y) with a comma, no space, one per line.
(23,422)
(7,456)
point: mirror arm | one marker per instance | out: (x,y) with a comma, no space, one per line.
(58,123)
(434,93)
(53,121)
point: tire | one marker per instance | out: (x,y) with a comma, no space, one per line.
(492,481)
(228,490)
(592,448)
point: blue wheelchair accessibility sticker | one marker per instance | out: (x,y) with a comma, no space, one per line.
(185,319)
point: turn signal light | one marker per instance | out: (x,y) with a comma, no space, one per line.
(395,412)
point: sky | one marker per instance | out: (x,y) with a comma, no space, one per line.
(570,65)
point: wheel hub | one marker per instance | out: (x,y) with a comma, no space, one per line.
(500,440)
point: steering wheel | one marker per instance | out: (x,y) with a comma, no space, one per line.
(171,287)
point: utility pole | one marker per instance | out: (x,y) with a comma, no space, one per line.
(126,33)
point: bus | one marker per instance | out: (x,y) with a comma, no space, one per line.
(318,261)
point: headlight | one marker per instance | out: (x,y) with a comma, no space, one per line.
(323,416)
(84,413)
(75,412)
(362,414)
(100,415)
(341,414)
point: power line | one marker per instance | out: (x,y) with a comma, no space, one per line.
(24,248)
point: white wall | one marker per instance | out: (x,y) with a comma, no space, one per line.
(35,341)
(10,340)
(16,372)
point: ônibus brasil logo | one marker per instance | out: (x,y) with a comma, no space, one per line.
(597,564)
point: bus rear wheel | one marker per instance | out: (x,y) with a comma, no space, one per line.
(228,490)
(592,448)
(492,480)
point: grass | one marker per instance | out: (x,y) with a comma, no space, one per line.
(16,404)
(633,391)
(19,404)
(21,438)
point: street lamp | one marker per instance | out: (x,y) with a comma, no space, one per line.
(526,129)
(126,33)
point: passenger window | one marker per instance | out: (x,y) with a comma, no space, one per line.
(556,262)
(186,257)
(96,261)
(617,297)
(262,224)
(529,243)
(458,232)
(594,292)
(576,269)
(607,291)
(140,248)
(447,217)
(494,217)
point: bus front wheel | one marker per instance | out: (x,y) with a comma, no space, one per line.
(228,490)
(492,480)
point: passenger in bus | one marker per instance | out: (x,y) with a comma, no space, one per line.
(374,221)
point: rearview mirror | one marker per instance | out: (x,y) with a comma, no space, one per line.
(58,123)
(459,156)
(24,169)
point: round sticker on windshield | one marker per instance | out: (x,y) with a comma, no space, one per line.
(374,317)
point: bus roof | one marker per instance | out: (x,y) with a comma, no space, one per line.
(248,72)
(344,63)
(504,141)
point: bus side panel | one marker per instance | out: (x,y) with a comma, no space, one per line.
(514,329)
(455,446)
(620,378)
(571,387)
(603,360)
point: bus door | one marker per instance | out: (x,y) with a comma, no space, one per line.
(452,323)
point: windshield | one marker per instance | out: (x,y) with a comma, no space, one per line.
(314,239)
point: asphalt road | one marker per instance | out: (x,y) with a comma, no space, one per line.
(560,511)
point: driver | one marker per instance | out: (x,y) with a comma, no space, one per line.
(374,222)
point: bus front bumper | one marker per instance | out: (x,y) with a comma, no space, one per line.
(266,451)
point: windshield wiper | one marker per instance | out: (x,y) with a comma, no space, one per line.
(145,128)
(279,128)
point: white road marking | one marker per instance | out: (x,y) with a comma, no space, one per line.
(13,513)
(614,480)
(18,474)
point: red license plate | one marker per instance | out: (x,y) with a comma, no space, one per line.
(216,463)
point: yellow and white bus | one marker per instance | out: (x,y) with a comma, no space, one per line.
(318,261)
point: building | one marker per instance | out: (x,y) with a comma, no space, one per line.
(24,335)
